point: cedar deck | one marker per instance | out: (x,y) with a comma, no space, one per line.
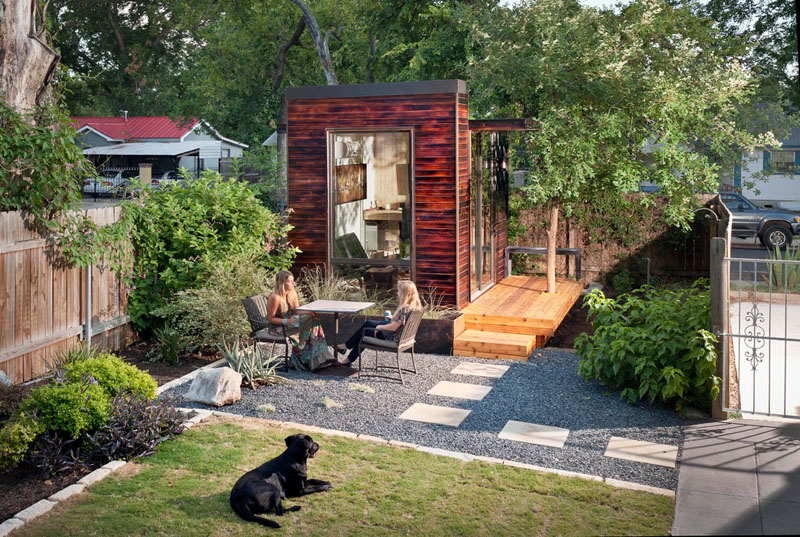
(515,316)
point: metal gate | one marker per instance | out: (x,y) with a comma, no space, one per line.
(761,340)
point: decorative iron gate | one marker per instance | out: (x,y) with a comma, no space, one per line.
(761,340)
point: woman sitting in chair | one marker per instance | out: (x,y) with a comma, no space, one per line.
(407,300)
(309,348)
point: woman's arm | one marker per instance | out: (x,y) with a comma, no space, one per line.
(273,306)
(391,327)
(294,303)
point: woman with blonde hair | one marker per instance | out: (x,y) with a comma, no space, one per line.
(407,301)
(309,348)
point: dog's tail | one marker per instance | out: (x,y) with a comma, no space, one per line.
(243,510)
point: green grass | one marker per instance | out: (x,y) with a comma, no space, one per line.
(183,489)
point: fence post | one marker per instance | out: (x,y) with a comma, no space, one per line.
(719,315)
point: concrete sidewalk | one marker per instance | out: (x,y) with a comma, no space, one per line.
(739,478)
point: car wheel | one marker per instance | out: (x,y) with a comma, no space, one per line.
(776,236)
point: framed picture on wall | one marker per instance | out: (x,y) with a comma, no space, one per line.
(351,183)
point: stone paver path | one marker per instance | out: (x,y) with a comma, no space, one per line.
(435,414)
(544,435)
(459,390)
(637,450)
(739,478)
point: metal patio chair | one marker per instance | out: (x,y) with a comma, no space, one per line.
(256,308)
(407,341)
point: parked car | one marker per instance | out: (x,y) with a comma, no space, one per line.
(109,183)
(167,179)
(775,228)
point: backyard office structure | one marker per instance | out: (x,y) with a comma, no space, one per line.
(394,180)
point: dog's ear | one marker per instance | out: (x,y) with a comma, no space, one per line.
(289,440)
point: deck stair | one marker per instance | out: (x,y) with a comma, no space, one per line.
(514,317)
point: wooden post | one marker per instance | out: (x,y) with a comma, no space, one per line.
(719,315)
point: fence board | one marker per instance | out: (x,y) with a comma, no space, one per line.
(43,307)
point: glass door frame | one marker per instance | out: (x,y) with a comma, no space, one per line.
(331,178)
(476,224)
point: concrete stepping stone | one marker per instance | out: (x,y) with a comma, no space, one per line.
(639,451)
(435,414)
(480,370)
(533,433)
(476,392)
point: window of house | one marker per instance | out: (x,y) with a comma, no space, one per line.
(780,162)
(371,203)
(226,153)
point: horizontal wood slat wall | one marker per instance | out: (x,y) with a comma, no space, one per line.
(433,118)
(464,171)
(42,306)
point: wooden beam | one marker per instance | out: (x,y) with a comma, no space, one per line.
(491,125)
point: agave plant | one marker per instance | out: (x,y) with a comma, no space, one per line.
(251,363)
(785,276)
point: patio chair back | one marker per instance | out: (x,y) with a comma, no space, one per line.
(256,309)
(409,332)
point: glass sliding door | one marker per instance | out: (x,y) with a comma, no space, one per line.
(489,162)
(371,200)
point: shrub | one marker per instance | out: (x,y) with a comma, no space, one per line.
(15,438)
(213,313)
(113,375)
(654,344)
(249,361)
(77,353)
(69,407)
(169,345)
(181,233)
(135,427)
(55,453)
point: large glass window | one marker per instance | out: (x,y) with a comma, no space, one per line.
(371,200)
(781,162)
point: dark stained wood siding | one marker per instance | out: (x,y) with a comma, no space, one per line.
(433,118)
(464,170)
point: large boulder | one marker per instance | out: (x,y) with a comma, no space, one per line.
(216,387)
(4,380)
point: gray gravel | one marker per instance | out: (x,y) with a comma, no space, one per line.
(545,390)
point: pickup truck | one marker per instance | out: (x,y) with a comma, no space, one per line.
(775,228)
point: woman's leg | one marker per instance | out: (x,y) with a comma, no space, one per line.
(355,339)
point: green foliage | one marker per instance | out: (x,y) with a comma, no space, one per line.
(250,362)
(113,375)
(654,344)
(41,171)
(622,281)
(181,234)
(784,276)
(169,344)
(213,313)
(69,407)
(76,353)
(15,438)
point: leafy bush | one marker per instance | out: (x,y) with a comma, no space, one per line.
(169,345)
(622,282)
(76,353)
(15,438)
(69,407)
(113,375)
(213,313)
(136,426)
(654,344)
(250,362)
(182,233)
(55,453)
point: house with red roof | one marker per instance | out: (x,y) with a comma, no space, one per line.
(166,144)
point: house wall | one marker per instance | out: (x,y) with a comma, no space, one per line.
(88,139)
(433,118)
(775,190)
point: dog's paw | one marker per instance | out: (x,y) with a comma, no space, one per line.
(294,508)
(325,487)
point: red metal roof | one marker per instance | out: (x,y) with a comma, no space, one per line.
(120,128)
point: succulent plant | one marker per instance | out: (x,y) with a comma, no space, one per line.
(251,363)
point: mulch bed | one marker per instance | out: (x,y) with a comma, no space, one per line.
(24,486)
(573,325)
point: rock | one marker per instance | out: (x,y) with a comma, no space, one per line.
(591,287)
(692,413)
(216,387)
(4,380)
(35,510)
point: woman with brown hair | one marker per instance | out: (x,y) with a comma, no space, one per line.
(309,348)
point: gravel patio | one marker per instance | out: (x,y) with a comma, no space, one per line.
(546,390)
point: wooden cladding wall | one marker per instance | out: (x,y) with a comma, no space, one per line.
(43,307)
(433,119)
(464,171)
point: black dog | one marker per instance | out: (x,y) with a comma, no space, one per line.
(262,489)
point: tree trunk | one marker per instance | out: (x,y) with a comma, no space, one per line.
(552,233)
(27,62)
(320,42)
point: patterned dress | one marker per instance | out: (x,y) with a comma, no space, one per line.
(309,348)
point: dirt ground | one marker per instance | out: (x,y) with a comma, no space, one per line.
(573,325)
(23,486)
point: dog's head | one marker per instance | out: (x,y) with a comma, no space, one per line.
(301,445)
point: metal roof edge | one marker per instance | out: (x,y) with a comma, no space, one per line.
(382,89)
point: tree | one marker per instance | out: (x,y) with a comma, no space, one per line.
(27,62)
(646,95)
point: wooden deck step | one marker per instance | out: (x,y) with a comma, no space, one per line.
(486,344)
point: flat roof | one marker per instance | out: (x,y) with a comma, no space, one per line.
(158,149)
(382,89)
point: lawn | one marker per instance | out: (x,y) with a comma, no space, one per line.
(183,490)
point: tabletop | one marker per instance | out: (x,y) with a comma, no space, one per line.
(335,306)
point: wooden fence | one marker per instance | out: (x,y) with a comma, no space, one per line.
(43,306)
